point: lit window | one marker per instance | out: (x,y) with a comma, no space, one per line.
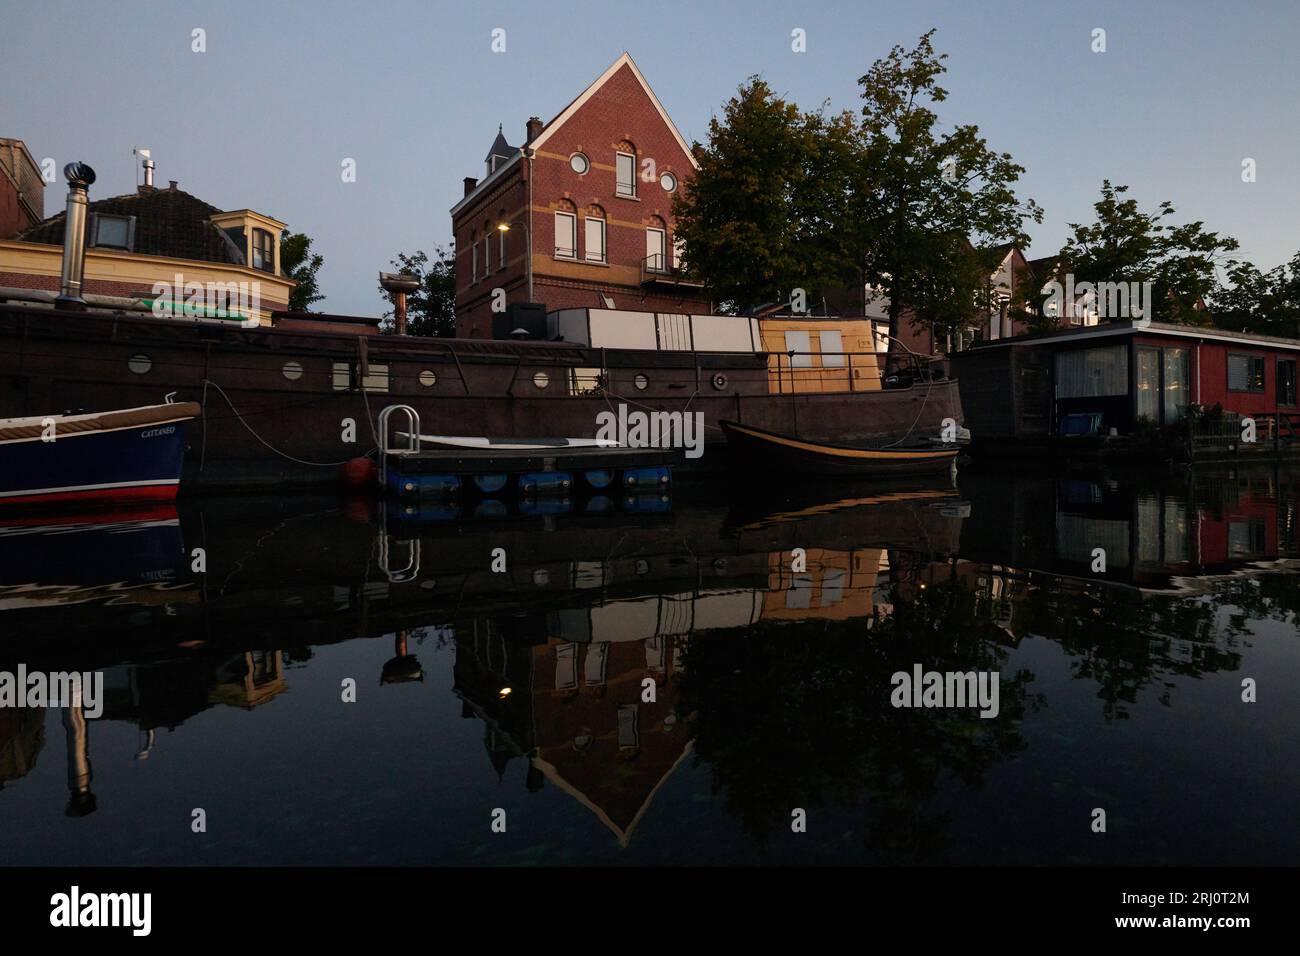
(1245,373)
(625,182)
(566,235)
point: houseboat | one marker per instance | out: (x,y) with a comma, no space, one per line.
(1133,388)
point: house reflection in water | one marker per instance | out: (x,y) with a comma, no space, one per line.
(590,697)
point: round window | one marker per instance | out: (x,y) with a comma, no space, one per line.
(541,379)
(641,382)
(668,181)
(579,163)
(428,379)
(139,364)
(292,371)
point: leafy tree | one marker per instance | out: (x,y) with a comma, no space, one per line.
(300,264)
(928,201)
(760,218)
(431,309)
(1125,244)
(1263,302)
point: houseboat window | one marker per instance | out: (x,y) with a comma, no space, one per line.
(641,382)
(292,371)
(566,235)
(1175,389)
(595,223)
(541,379)
(263,251)
(1245,373)
(376,379)
(1147,399)
(579,163)
(1286,390)
(669,182)
(799,343)
(139,364)
(832,348)
(428,379)
(625,183)
(1088,373)
(112,232)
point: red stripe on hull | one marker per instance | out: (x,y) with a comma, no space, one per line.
(98,495)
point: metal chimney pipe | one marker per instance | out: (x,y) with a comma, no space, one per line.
(79,176)
(399,312)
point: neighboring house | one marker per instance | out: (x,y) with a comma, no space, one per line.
(22,190)
(580,214)
(155,235)
(1082,310)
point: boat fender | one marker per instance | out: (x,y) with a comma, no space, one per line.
(358,473)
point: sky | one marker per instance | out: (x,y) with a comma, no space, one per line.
(413,92)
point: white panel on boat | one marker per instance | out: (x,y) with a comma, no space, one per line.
(674,331)
(620,329)
(625,620)
(723,333)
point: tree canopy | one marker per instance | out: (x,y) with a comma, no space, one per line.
(299,263)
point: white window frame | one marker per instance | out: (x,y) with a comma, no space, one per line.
(572,228)
(661,251)
(501,250)
(625,190)
(602,252)
(473,261)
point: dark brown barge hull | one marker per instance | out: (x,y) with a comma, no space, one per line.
(285,405)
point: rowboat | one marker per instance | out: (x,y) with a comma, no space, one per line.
(754,448)
(130,454)
(509,444)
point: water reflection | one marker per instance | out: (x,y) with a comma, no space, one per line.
(753,640)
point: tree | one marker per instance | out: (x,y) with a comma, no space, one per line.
(929,202)
(1125,244)
(1264,302)
(760,217)
(431,309)
(299,263)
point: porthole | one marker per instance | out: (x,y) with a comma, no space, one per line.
(139,364)
(541,379)
(719,381)
(292,371)
(579,163)
(668,181)
(428,379)
(641,382)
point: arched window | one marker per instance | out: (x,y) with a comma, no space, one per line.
(625,169)
(487,248)
(594,233)
(473,256)
(656,245)
(501,240)
(566,231)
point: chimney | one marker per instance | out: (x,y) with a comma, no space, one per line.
(534,129)
(171,185)
(470,183)
(79,177)
(147,163)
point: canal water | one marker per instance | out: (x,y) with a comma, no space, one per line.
(694,678)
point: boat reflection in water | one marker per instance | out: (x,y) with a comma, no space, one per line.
(726,657)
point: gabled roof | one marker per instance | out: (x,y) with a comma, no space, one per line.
(168,222)
(590,91)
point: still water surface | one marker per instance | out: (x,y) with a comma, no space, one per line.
(525,690)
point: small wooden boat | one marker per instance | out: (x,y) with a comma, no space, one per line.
(755,448)
(130,454)
(510,444)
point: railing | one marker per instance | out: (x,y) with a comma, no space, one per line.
(657,267)
(794,372)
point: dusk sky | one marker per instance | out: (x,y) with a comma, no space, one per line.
(413,93)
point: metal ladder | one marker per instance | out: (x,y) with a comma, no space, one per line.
(412,437)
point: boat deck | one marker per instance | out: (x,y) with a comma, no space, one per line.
(463,461)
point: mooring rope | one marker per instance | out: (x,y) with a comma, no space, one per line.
(285,455)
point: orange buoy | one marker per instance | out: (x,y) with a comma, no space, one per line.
(357,473)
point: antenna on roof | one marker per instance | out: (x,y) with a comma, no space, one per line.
(147,156)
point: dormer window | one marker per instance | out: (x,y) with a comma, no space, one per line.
(113,232)
(263,250)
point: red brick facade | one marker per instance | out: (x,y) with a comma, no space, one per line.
(617,113)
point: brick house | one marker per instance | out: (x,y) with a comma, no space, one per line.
(22,190)
(154,235)
(580,215)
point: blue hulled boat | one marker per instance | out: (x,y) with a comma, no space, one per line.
(131,454)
